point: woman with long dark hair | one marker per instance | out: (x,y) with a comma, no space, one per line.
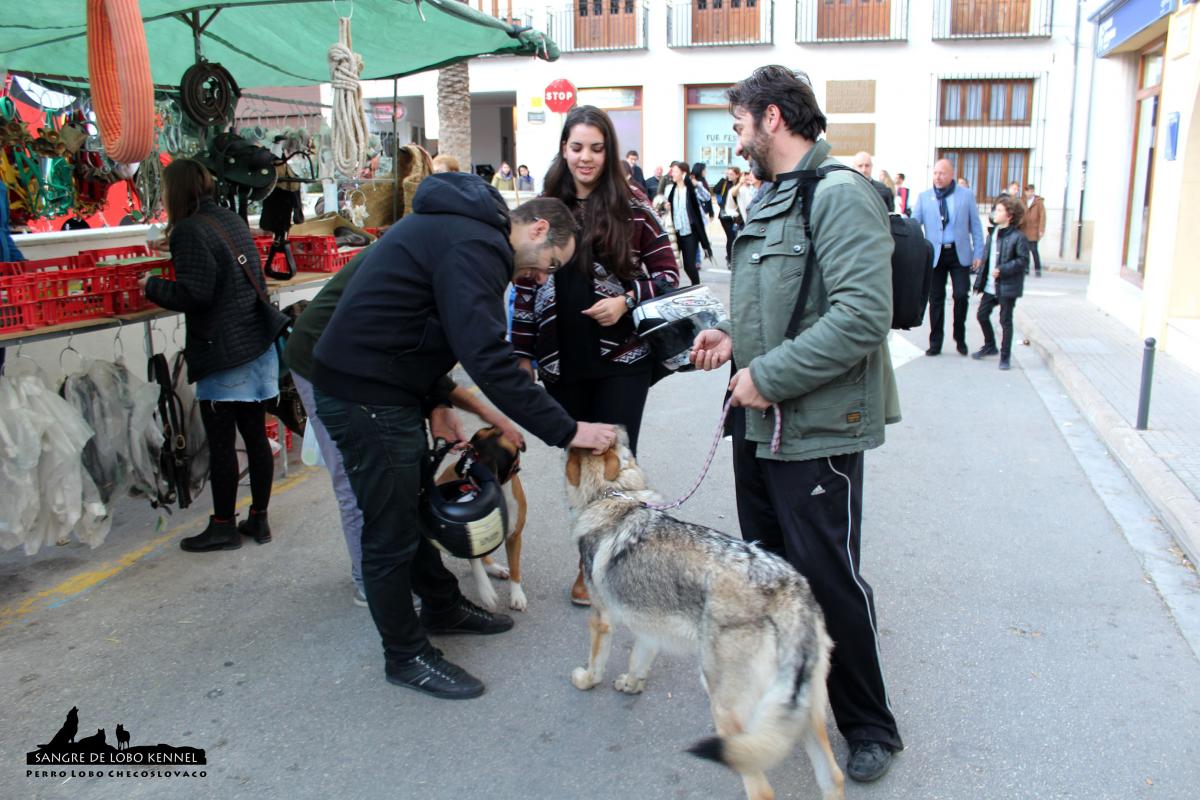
(688,218)
(578,325)
(229,347)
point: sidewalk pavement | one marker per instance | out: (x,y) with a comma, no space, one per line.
(1098,360)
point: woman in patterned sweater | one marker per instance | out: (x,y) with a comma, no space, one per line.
(578,324)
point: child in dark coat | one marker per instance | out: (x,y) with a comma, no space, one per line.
(1001,277)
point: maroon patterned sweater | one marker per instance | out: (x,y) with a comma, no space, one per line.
(534,328)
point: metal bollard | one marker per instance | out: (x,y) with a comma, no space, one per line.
(1143,416)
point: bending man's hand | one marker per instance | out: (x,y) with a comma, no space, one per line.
(444,423)
(712,349)
(745,393)
(594,436)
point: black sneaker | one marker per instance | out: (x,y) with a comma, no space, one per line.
(1004,364)
(933,351)
(217,536)
(465,617)
(986,350)
(435,676)
(962,348)
(868,761)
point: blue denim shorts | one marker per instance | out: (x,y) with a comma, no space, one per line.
(251,382)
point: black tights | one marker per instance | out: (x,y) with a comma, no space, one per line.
(222,420)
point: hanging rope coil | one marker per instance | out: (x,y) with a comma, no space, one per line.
(349,122)
(208,94)
(119,72)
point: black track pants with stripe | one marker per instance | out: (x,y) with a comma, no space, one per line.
(809,512)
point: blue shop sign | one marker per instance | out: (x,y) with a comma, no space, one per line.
(1121,20)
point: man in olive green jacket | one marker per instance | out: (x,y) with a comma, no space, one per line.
(829,390)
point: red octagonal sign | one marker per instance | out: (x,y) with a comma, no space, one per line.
(560,96)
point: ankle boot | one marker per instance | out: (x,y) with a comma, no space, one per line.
(579,592)
(219,535)
(256,526)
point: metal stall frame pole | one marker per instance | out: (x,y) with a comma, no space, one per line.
(395,152)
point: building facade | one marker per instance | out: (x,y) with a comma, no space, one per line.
(986,83)
(1143,179)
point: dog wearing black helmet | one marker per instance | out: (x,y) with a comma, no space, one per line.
(502,458)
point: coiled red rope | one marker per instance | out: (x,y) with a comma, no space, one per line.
(119,71)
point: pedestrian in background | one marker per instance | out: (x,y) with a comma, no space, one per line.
(950,218)
(578,324)
(683,205)
(1001,277)
(524,179)
(746,192)
(864,165)
(504,180)
(703,191)
(728,213)
(1033,225)
(632,159)
(902,206)
(230,347)
(654,184)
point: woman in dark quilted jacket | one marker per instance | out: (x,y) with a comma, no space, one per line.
(1001,277)
(230,348)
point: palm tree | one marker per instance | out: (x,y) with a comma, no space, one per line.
(454,113)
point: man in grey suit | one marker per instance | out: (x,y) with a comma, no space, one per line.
(951,222)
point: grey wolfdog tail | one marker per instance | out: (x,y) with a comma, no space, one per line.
(771,733)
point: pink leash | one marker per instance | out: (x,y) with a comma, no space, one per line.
(712,452)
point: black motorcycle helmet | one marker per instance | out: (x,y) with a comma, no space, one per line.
(468,517)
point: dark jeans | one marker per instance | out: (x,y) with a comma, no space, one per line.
(223,420)
(689,248)
(618,400)
(986,306)
(818,532)
(730,234)
(1037,259)
(383,449)
(960,278)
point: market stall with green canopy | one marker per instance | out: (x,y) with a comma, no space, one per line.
(268,42)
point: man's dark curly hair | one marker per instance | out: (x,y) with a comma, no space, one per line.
(781,87)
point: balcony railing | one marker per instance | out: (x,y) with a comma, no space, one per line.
(586,26)
(705,23)
(992,19)
(820,21)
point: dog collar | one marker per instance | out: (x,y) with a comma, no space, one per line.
(620,494)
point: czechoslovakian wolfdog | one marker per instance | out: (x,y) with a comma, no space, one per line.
(764,652)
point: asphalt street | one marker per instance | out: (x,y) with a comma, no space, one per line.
(1032,621)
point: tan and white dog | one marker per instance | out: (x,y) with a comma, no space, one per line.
(503,458)
(748,614)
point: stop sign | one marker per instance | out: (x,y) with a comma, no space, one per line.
(560,96)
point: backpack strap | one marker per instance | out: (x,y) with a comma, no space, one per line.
(809,178)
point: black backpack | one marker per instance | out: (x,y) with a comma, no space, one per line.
(912,257)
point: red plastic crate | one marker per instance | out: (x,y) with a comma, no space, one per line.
(90,258)
(18,311)
(62,291)
(319,254)
(273,434)
(127,296)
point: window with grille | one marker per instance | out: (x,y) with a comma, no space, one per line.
(989,172)
(985,102)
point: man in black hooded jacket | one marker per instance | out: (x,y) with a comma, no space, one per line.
(431,294)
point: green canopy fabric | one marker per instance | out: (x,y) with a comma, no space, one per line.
(269,42)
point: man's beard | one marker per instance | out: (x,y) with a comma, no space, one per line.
(757,153)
